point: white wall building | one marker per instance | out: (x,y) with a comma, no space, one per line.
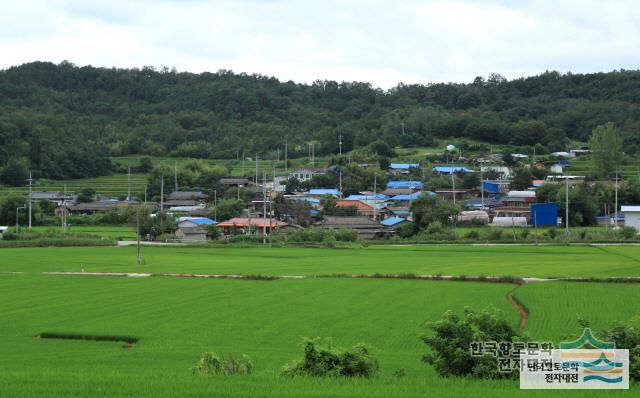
(631,216)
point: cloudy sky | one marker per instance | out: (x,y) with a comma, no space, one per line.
(382,42)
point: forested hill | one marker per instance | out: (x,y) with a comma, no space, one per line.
(64,120)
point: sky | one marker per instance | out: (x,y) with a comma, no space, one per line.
(381,42)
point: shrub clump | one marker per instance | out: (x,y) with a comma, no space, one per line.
(451,341)
(211,364)
(321,359)
(627,336)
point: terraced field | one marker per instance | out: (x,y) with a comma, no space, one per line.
(115,185)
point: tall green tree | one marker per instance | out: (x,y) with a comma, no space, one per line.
(427,209)
(606,147)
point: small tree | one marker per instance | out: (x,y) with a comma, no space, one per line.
(293,185)
(228,208)
(522,178)
(451,340)
(321,359)
(15,172)
(427,209)
(86,195)
(606,147)
(210,363)
(145,165)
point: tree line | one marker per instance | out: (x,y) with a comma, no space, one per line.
(65,121)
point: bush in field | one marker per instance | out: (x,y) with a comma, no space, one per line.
(345,235)
(321,359)
(493,234)
(320,235)
(451,339)
(628,233)
(627,336)
(472,235)
(211,364)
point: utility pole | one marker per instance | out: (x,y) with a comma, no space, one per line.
(63,212)
(453,191)
(340,144)
(340,193)
(313,154)
(30,195)
(402,124)
(615,216)
(138,234)
(375,187)
(145,194)
(215,204)
(286,145)
(566,205)
(243,164)
(161,201)
(481,187)
(175,174)
(410,196)
(17,217)
(264,207)
(256,169)
(128,184)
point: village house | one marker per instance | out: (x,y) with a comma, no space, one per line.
(307,173)
(402,168)
(193,228)
(251,226)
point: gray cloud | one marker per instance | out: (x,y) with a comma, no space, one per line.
(378,41)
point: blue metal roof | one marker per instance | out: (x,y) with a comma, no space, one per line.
(392,221)
(405,184)
(324,191)
(403,166)
(413,196)
(492,187)
(200,220)
(451,169)
(377,196)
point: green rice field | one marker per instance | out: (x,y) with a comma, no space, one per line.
(175,319)
(521,261)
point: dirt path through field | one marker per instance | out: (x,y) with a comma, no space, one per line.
(524,315)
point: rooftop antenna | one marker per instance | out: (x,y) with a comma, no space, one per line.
(30,196)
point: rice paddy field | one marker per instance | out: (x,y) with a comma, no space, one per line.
(175,319)
(498,260)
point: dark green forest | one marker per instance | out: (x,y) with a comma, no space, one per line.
(64,121)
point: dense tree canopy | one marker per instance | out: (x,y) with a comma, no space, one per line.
(66,120)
